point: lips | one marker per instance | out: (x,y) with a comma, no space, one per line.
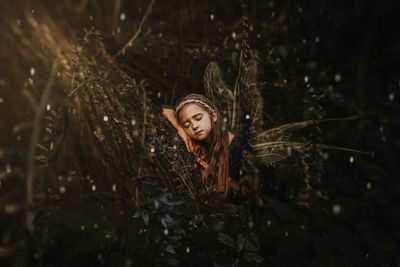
(199,132)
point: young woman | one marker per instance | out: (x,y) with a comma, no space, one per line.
(225,157)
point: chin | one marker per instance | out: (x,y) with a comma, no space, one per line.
(201,138)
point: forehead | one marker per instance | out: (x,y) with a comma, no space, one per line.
(190,110)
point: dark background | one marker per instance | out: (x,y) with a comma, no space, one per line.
(318,59)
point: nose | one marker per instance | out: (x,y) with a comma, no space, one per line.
(195,126)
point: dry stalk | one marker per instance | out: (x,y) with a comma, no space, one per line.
(30,166)
(135,36)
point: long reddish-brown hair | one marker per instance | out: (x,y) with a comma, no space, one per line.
(216,152)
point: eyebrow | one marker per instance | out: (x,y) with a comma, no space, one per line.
(192,117)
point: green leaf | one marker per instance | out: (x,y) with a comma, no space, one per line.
(226,240)
(168,248)
(253,257)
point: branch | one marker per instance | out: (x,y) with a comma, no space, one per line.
(132,40)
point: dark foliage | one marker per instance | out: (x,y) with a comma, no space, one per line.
(108,189)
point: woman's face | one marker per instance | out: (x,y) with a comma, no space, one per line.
(196,121)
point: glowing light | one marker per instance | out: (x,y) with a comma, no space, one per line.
(369,185)
(93,187)
(336,209)
(133,122)
(48,107)
(187,249)
(62,189)
(166,232)
(122,16)
(32,71)
(105,118)
(212,16)
(337,77)
(351,159)
(114,187)
(391,97)
(306,79)
(8,168)
(234,35)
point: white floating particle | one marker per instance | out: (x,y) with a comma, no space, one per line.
(128,263)
(234,35)
(99,257)
(187,249)
(8,168)
(325,155)
(82,227)
(18,22)
(337,77)
(105,118)
(317,39)
(269,223)
(381,129)
(118,29)
(225,119)
(271,4)
(91,17)
(1,100)
(286,233)
(351,159)
(166,232)
(369,185)
(94,187)
(133,122)
(259,36)
(32,71)
(300,10)
(336,209)
(152,150)
(391,97)
(122,16)
(306,78)
(158,94)
(383,138)
(114,187)
(304,41)
(174,147)
(58,74)
(62,189)
(95,226)
(48,107)
(247,116)
(212,16)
